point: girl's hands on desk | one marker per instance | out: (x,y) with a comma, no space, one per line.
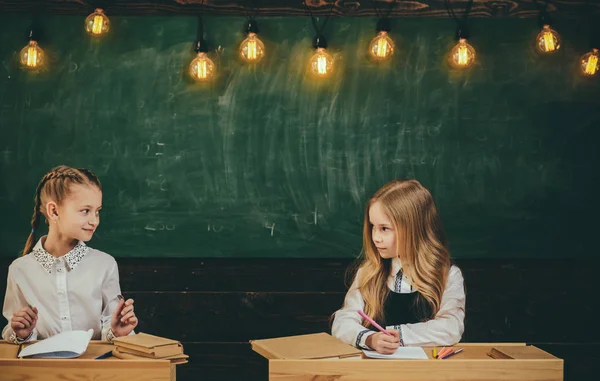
(383,343)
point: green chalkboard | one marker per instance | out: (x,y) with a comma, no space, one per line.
(267,162)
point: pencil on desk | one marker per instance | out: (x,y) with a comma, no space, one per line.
(104,355)
(444,351)
(434,352)
(451,353)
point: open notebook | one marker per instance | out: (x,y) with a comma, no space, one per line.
(64,345)
(406,353)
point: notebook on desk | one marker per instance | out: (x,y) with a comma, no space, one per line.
(402,353)
(175,359)
(64,345)
(145,345)
(312,346)
(519,352)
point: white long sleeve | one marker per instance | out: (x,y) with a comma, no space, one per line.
(347,322)
(78,291)
(445,329)
(110,291)
(14,301)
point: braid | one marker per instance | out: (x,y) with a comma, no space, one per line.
(54,185)
(92,178)
(35,219)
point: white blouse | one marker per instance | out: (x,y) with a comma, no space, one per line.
(445,329)
(78,291)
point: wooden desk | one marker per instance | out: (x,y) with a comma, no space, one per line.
(472,364)
(82,368)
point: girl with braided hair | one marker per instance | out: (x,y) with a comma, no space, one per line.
(59,283)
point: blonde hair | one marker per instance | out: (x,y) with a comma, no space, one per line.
(55,186)
(420,245)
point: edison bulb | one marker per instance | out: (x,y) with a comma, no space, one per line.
(589,63)
(202,68)
(382,46)
(321,63)
(97,23)
(252,48)
(548,40)
(462,56)
(32,56)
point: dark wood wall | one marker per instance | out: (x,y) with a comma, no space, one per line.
(214,306)
(337,8)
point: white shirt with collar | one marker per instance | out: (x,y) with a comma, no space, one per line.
(78,291)
(445,329)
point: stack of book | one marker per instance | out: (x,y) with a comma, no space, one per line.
(144,346)
(519,352)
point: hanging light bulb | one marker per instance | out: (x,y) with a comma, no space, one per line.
(589,63)
(32,56)
(382,46)
(321,63)
(97,23)
(202,68)
(462,56)
(548,40)
(252,48)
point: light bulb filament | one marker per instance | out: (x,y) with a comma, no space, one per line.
(252,49)
(202,69)
(463,55)
(322,65)
(382,48)
(32,56)
(592,65)
(98,24)
(549,42)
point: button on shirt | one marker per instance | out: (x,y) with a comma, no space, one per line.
(78,291)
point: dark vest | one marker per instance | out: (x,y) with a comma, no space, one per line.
(402,308)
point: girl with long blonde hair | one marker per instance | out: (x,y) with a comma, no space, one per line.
(405,281)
